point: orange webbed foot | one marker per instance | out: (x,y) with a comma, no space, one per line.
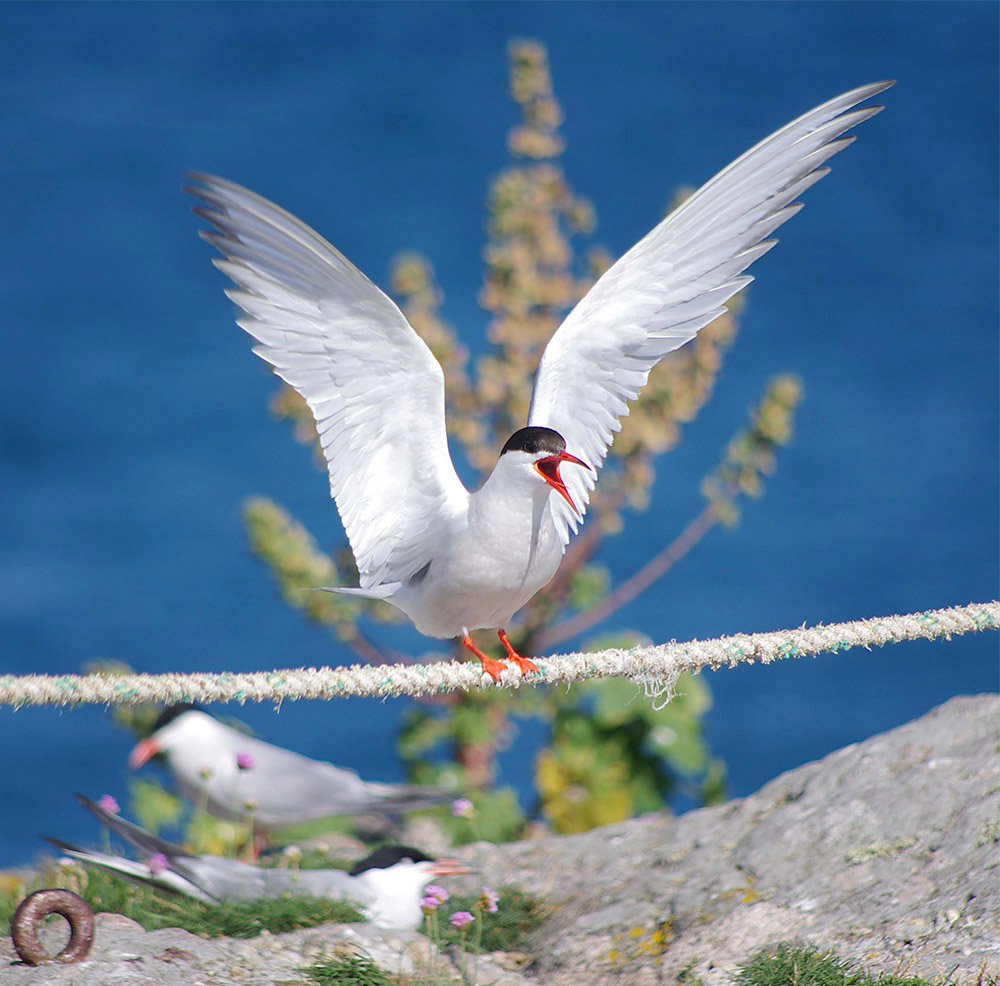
(524,663)
(491,667)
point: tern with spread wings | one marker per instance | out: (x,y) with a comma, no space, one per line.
(451,560)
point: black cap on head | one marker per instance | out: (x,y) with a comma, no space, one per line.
(388,856)
(171,712)
(534,439)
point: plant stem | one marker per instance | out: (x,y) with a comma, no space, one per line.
(479,942)
(656,567)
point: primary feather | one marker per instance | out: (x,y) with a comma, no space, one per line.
(673,282)
(370,381)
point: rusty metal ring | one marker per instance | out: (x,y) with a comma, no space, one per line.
(40,904)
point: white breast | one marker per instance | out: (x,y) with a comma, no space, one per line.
(496,557)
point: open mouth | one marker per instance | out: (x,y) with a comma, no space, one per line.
(548,469)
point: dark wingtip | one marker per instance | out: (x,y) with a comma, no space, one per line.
(59,844)
(94,808)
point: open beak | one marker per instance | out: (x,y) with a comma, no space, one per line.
(449,867)
(548,469)
(141,752)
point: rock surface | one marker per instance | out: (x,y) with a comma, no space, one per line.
(886,852)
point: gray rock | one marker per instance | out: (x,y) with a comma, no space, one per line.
(886,852)
(124,954)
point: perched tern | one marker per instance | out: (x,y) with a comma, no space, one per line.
(387,885)
(210,760)
(451,560)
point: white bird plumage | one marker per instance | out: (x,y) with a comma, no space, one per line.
(286,788)
(450,560)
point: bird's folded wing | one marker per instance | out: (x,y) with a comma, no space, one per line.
(373,386)
(674,282)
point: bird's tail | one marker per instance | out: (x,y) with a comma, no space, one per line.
(114,864)
(131,870)
(383,591)
(396,798)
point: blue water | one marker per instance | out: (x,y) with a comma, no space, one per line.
(133,418)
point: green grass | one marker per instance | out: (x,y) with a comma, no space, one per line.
(152,909)
(792,965)
(355,970)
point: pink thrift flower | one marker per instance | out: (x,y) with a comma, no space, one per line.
(429,904)
(461,919)
(489,900)
(108,803)
(463,808)
(158,863)
(438,894)
(244,761)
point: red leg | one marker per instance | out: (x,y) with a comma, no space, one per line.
(524,663)
(491,667)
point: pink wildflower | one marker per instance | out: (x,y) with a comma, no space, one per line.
(108,803)
(244,761)
(158,863)
(488,901)
(463,808)
(438,894)
(461,919)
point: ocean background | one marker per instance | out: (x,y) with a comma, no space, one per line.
(134,421)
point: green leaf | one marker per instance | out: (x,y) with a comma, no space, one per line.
(154,806)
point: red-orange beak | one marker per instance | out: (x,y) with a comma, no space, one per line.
(141,752)
(548,469)
(449,867)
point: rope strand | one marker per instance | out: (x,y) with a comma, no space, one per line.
(656,667)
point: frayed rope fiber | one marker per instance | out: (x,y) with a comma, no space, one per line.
(657,667)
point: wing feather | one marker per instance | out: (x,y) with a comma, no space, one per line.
(674,282)
(374,388)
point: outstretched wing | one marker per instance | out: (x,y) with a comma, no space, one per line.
(373,386)
(674,282)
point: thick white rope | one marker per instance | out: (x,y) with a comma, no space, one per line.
(657,667)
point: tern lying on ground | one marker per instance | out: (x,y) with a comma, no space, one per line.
(387,886)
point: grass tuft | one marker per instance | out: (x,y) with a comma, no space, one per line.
(354,970)
(793,965)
